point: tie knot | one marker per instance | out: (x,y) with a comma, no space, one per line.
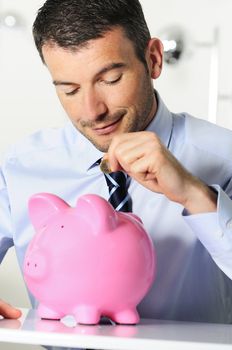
(118,183)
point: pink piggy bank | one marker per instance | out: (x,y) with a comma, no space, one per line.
(88,261)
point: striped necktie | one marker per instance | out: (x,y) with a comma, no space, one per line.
(118,183)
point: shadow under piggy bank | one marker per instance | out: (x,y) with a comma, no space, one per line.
(87,261)
(52,326)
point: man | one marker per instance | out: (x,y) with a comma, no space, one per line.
(102,61)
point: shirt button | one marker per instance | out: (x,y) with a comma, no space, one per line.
(229,224)
(219,233)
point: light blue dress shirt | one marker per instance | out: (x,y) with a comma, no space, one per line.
(194,252)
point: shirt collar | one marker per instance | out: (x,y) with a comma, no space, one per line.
(88,154)
(162,123)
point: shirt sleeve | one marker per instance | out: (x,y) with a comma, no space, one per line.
(6,237)
(214,230)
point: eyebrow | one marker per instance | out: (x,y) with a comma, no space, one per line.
(104,70)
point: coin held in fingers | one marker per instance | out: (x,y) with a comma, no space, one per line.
(104,166)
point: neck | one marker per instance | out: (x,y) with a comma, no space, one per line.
(153,111)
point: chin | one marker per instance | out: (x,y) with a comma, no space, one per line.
(100,145)
(103,148)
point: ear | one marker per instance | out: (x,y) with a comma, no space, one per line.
(98,212)
(42,206)
(154,57)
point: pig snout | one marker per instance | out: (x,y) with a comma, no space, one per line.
(35,266)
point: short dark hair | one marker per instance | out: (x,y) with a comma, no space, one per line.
(71,23)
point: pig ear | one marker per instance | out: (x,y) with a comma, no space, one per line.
(42,206)
(98,212)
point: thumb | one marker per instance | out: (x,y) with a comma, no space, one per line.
(8,311)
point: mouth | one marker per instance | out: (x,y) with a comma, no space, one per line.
(107,129)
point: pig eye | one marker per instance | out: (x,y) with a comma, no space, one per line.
(62,226)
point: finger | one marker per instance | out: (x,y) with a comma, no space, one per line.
(8,311)
(143,168)
(128,147)
(112,159)
(116,145)
(130,154)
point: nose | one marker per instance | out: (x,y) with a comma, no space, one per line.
(35,266)
(93,105)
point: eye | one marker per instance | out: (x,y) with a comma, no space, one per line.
(71,93)
(114,81)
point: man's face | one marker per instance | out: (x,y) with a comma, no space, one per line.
(103,87)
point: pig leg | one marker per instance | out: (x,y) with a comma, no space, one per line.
(86,314)
(45,312)
(127,316)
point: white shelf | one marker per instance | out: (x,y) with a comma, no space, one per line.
(149,334)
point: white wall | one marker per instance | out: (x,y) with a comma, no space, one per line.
(186,85)
(28,101)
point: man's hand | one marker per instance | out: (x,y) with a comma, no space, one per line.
(142,156)
(8,311)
